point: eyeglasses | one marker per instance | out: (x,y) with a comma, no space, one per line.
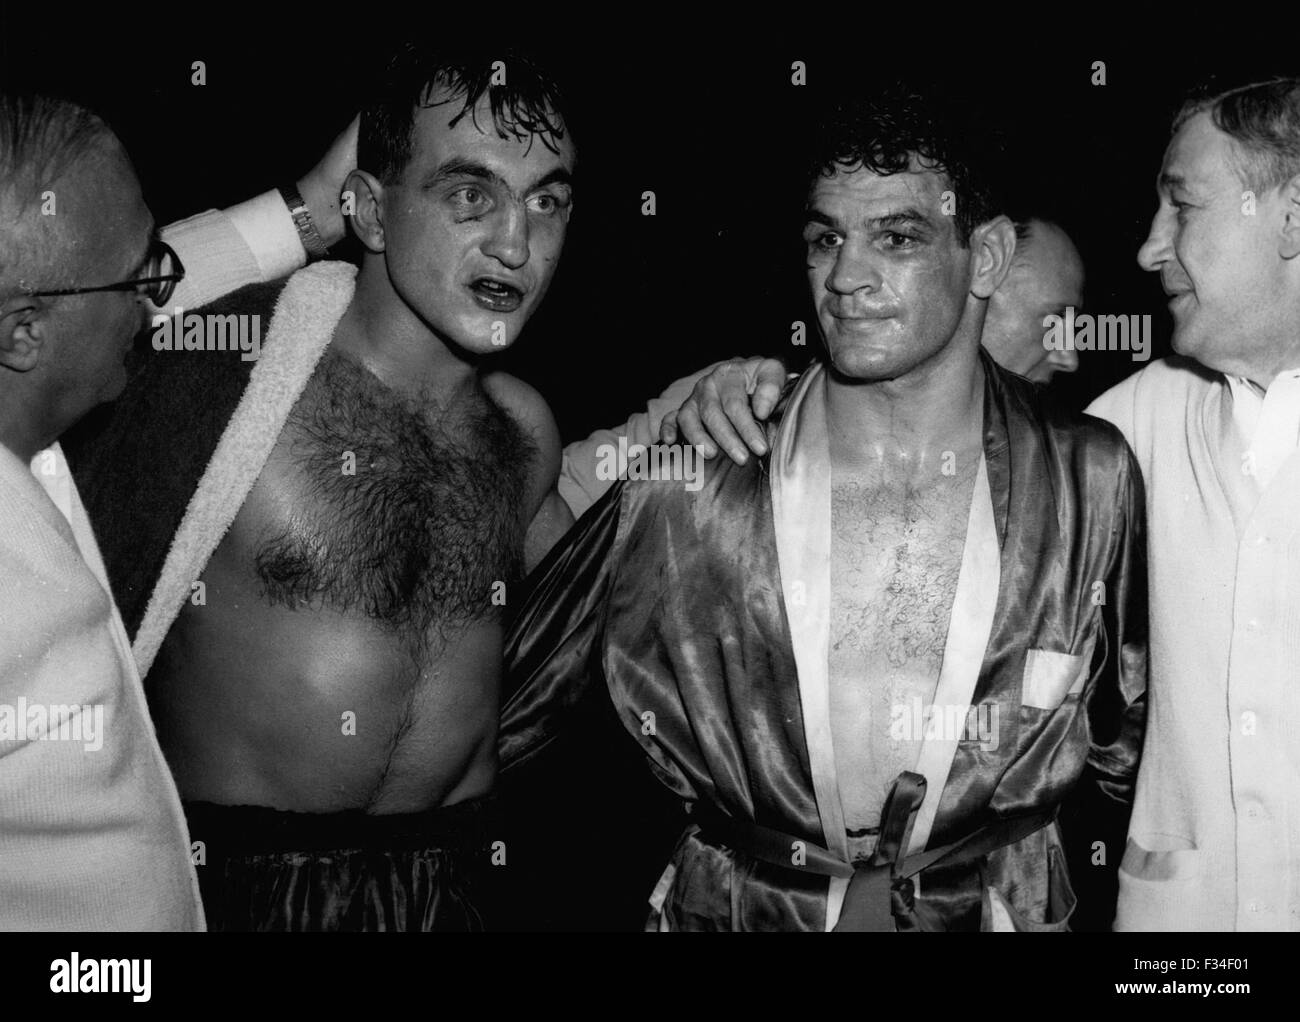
(162,272)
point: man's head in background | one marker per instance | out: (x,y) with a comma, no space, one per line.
(1046,277)
(904,240)
(71,216)
(1226,235)
(464,191)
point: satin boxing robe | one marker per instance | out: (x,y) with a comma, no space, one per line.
(704,615)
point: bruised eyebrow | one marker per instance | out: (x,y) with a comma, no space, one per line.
(908,217)
(558,176)
(458,166)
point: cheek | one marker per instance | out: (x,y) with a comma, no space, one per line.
(818,270)
(432,245)
(546,239)
(933,292)
(1219,256)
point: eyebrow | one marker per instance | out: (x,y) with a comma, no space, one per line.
(558,176)
(1169,181)
(458,166)
(908,217)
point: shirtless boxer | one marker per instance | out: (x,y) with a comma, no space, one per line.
(327,698)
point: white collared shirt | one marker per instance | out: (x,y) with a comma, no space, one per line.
(1214,841)
(1268,424)
(92,836)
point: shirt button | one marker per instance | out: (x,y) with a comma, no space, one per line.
(1253,906)
(1252,625)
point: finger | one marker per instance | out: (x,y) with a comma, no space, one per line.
(668,428)
(718,424)
(688,419)
(767,392)
(737,409)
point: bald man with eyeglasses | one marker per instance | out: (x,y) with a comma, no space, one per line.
(93,833)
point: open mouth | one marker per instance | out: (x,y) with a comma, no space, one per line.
(496,295)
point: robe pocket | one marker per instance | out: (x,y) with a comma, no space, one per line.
(1000,916)
(1049,677)
(1160,887)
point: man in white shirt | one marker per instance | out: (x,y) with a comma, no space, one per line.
(1214,841)
(91,831)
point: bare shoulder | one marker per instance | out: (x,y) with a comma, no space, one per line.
(533,415)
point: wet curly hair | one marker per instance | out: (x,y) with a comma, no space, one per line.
(527,107)
(902,128)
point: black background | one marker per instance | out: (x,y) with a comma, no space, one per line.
(704,117)
(709,120)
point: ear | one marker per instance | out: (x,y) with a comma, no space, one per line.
(1289,241)
(367,217)
(993,246)
(23,327)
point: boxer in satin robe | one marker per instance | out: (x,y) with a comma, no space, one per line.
(876,660)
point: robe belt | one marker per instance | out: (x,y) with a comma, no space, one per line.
(880,895)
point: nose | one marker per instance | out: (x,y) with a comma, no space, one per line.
(1156,249)
(853,271)
(508,241)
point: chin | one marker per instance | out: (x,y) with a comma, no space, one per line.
(474,335)
(866,368)
(1186,343)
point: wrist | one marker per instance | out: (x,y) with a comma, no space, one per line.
(323,211)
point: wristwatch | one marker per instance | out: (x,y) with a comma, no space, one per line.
(307,233)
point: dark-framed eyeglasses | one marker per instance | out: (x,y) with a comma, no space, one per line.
(162,272)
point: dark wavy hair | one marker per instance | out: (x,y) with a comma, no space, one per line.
(1263,118)
(528,107)
(890,131)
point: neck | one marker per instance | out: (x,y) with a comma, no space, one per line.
(1263,379)
(912,421)
(1262,365)
(382,332)
(23,432)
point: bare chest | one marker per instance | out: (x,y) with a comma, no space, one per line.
(373,505)
(896,554)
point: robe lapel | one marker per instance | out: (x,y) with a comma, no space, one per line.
(969,627)
(306,314)
(801,512)
(801,509)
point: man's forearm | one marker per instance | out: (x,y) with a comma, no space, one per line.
(582,481)
(224,250)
